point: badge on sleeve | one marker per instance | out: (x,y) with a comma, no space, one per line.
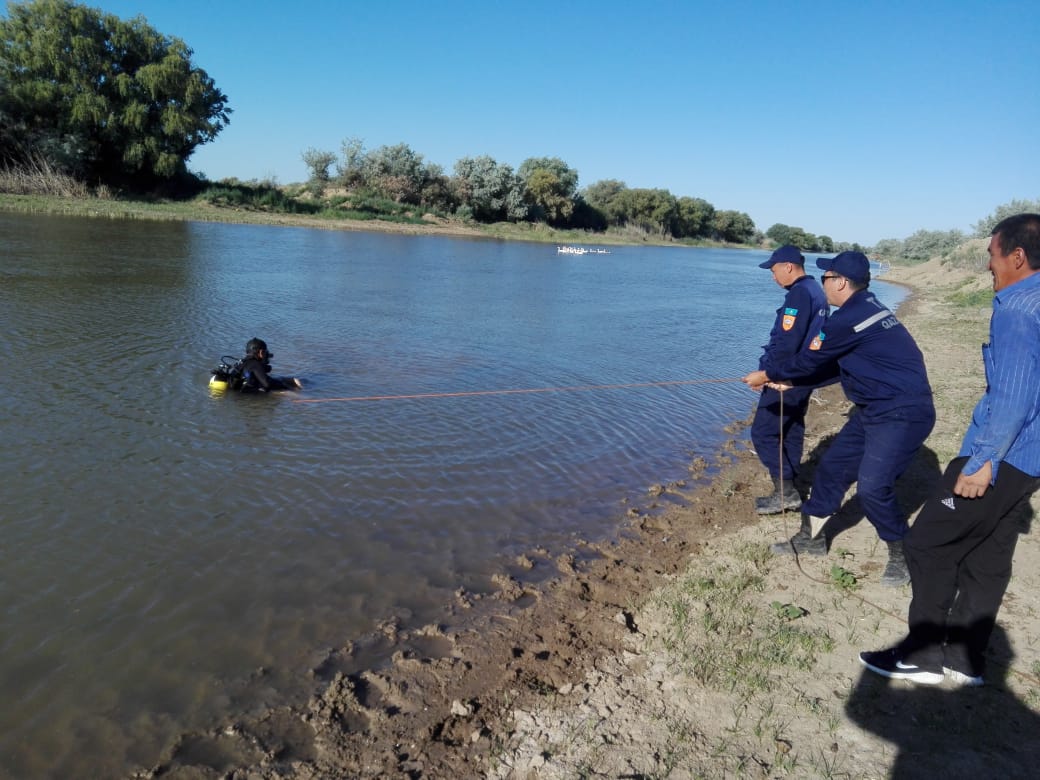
(817,342)
(790,315)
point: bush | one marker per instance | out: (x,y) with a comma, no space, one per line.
(260,197)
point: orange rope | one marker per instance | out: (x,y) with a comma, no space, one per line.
(575,388)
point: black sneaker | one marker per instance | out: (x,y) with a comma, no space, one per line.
(888,663)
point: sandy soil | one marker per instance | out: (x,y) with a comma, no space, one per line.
(682,649)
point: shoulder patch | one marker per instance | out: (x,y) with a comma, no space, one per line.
(817,342)
(790,316)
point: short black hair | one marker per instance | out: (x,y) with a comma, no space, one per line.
(253,347)
(1021,230)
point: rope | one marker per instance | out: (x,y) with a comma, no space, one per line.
(515,391)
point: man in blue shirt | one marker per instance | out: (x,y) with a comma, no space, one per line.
(782,419)
(961,546)
(882,372)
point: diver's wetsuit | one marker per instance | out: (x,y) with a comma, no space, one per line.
(256,376)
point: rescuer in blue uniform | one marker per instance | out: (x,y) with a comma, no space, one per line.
(882,372)
(782,420)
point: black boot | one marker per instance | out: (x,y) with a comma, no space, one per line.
(784,496)
(802,542)
(896,573)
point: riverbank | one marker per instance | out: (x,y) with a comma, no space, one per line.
(420,225)
(682,649)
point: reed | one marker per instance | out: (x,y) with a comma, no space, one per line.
(38,177)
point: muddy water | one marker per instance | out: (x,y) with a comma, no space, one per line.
(169,558)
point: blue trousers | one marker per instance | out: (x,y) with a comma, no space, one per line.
(770,420)
(872,450)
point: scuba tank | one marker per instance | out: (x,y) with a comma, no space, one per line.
(226,376)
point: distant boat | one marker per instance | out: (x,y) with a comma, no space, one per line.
(580,250)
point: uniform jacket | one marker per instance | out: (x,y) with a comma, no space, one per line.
(878,361)
(797,322)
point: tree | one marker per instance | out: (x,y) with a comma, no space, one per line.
(351,171)
(781,233)
(436,191)
(734,226)
(397,172)
(585,217)
(694,218)
(550,186)
(604,196)
(653,210)
(105,99)
(889,248)
(318,163)
(984,227)
(490,191)
(786,234)
(926,244)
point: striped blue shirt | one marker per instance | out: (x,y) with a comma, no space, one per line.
(1005,425)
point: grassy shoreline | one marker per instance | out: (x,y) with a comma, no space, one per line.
(427,224)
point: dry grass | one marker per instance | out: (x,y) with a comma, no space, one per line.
(39,177)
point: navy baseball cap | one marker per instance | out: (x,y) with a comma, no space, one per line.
(851,265)
(785,254)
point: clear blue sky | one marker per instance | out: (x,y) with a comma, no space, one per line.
(857,120)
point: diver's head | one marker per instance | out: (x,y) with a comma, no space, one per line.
(255,346)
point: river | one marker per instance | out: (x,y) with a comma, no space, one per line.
(169,557)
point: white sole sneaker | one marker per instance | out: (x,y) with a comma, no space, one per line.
(962,680)
(888,664)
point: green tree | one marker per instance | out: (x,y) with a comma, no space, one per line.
(436,192)
(781,234)
(605,197)
(104,99)
(397,172)
(490,191)
(787,234)
(984,227)
(586,217)
(889,248)
(734,226)
(926,244)
(654,210)
(318,163)
(351,170)
(550,186)
(694,218)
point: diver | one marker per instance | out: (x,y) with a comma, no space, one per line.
(251,374)
(255,370)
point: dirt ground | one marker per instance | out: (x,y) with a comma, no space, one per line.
(682,649)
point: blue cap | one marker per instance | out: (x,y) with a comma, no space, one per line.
(851,265)
(785,254)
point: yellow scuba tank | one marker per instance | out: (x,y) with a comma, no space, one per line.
(227,375)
